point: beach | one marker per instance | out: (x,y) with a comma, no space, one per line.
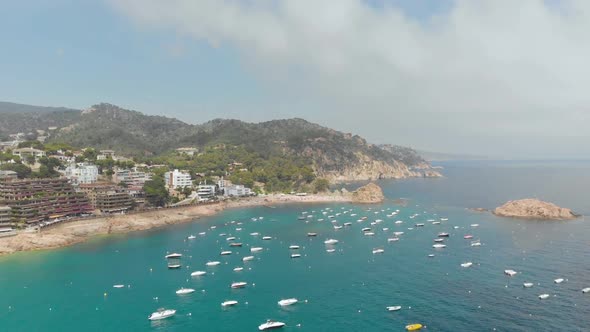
(69,233)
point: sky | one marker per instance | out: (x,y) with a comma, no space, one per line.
(501,78)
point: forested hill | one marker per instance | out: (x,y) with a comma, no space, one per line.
(333,154)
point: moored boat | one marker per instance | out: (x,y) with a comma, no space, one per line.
(544,296)
(213,263)
(466,264)
(270,325)
(229,303)
(198,273)
(184,291)
(378,251)
(558,280)
(225,253)
(247,258)
(527,285)
(294,247)
(311,234)
(394,308)
(439,245)
(173,255)
(235,244)
(287,302)
(413,327)
(295,255)
(162,314)
(510,273)
(331,241)
(239,284)
(256,249)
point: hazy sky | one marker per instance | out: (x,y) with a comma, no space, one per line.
(498,77)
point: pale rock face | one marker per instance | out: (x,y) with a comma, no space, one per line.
(533,209)
(370,193)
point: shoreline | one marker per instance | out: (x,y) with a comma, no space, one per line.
(75,232)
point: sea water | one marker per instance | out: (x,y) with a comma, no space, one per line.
(71,289)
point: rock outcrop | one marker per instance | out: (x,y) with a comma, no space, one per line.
(369,194)
(533,209)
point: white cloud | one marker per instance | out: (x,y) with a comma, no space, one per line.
(493,71)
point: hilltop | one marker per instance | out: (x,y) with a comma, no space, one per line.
(332,154)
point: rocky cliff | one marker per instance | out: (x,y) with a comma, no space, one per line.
(533,209)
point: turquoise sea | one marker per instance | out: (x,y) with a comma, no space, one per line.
(71,289)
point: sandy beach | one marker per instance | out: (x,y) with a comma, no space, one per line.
(78,231)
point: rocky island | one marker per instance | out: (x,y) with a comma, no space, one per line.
(531,208)
(368,194)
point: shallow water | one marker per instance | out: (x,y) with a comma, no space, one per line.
(348,290)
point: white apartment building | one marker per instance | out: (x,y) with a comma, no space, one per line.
(206,192)
(178,179)
(82,173)
(237,191)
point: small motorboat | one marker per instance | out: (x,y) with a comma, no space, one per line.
(430,255)
(118,286)
(256,249)
(378,251)
(527,285)
(419,225)
(213,263)
(247,258)
(347,224)
(330,250)
(393,239)
(255,234)
(288,302)
(558,280)
(510,273)
(366,229)
(394,308)
(444,219)
(270,325)
(235,244)
(295,255)
(239,284)
(586,290)
(439,245)
(385,229)
(443,234)
(398,233)
(468,236)
(231,238)
(466,264)
(192,237)
(173,255)
(312,234)
(474,225)
(413,327)
(331,241)
(198,273)
(369,234)
(267,237)
(293,247)
(399,222)
(544,296)
(476,243)
(184,291)
(238,269)
(229,303)
(225,253)
(162,314)
(336,227)
(174,266)
(436,222)
(439,240)
(202,233)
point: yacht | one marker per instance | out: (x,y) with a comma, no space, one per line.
(247,258)
(544,296)
(510,273)
(439,245)
(528,285)
(466,264)
(430,220)
(162,313)
(558,280)
(385,229)
(198,273)
(444,219)
(267,237)
(184,291)
(394,308)
(378,251)
(256,249)
(238,269)
(294,247)
(331,241)
(295,255)
(270,325)
(287,302)
(229,303)
(213,263)
(240,284)
(312,234)
(174,255)
(225,253)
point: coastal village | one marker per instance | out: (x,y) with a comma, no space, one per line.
(43,184)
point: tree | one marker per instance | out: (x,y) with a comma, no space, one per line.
(156,192)
(21,170)
(321,185)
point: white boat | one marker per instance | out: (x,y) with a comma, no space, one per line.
(235,244)
(510,273)
(287,302)
(213,263)
(118,286)
(255,234)
(239,284)
(366,229)
(444,219)
(476,243)
(231,238)
(162,313)
(558,280)
(337,227)
(430,255)
(466,264)
(294,247)
(229,303)
(267,237)
(468,237)
(223,234)
(398,233)
(544,296)
(347,224)
(378,251)
(436,222)
(256,249)
(184,291)
(330,250)
(369,234)
(586,290)
(192,237)
(439,240)
(399,222)
(238,269)
(331,241)
(270,325)
(439,245)
(393,239)
(394,308)
(198,273)
(419,225)
(247,258)
(202,233)
(174,266)
(295,255)
(430,220)
(443,234)
(385,229)
(173,255)
(225,253)
(527,285)
(312,234)
(474,225)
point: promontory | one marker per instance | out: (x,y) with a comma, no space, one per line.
(531,208)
